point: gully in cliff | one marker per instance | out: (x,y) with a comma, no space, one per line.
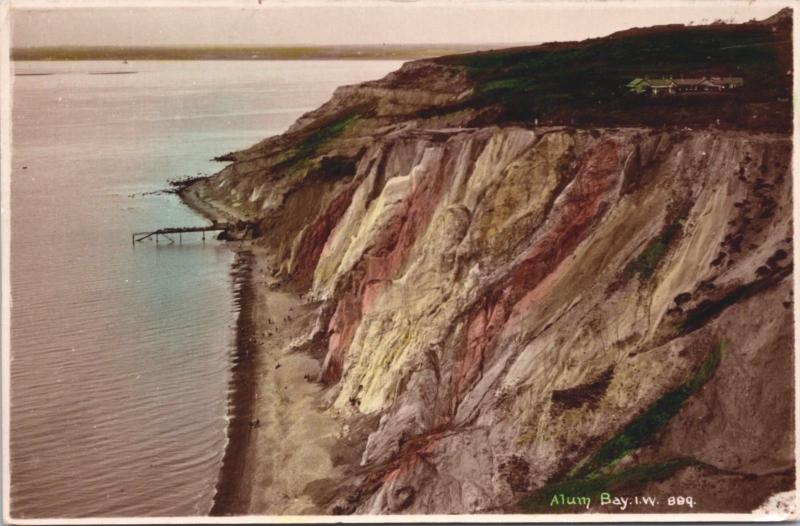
(532,279)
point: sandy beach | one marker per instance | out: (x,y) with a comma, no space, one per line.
(280,437)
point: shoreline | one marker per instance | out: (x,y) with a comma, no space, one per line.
(272,468)
(191,198)
(231,493)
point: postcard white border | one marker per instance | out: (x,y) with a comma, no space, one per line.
(5,241)
(6,79)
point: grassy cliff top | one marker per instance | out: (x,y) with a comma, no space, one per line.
(580,84)
(584,83)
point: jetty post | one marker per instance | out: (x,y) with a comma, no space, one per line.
(165,232)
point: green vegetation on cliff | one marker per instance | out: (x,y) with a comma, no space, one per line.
(594,475)
(584,83)
(301,155)
(645,264)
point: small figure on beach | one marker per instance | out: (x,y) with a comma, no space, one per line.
(254,423)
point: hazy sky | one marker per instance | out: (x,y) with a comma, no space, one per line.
(291,23)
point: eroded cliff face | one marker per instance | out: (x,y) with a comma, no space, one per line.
(510,312)
(509,300)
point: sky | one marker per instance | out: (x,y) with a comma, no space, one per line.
(246,22)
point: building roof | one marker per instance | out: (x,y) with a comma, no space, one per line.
(661,83)
(669,82)
(735,81)
(688,82)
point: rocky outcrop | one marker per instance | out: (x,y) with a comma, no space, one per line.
(510,310)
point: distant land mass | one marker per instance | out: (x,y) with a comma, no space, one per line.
(348,52)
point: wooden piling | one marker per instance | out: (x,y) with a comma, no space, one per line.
(165,232)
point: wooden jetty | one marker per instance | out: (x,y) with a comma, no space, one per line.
(165,232)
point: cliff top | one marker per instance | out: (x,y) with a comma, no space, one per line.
(584,83)
(581,84)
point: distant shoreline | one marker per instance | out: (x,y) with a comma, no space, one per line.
(371,52)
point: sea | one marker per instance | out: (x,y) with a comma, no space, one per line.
(121,351)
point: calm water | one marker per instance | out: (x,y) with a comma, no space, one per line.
(121,356)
